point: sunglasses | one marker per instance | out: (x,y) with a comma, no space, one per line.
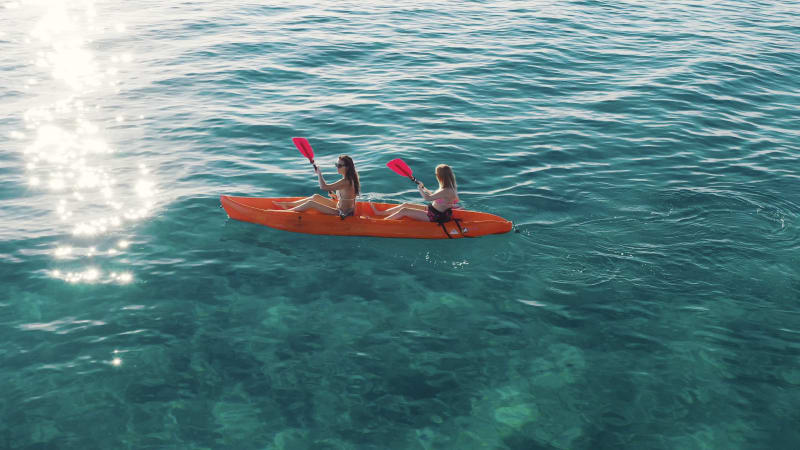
(339,165)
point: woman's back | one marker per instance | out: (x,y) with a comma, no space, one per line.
(449,197)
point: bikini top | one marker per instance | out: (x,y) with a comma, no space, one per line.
(339,196)
(442,203)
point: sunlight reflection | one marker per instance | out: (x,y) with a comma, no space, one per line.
(125,277)
(92,275)
(116,361)
(69,160)
(63,252)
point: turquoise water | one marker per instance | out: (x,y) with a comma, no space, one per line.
(647,153)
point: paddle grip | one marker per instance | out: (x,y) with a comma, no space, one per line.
(317,170)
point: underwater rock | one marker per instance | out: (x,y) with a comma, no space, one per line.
(44,431)
(283,313)
(792,376)
(563,366)
(240,422)
(516,416)
(291,438)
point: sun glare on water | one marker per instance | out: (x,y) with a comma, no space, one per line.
(70,162)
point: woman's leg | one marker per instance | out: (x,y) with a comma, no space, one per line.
(394,209)
(311,204)
(412,213)
(316,197)
(287,205)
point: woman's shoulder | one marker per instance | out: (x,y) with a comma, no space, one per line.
(454,194)
(447,193)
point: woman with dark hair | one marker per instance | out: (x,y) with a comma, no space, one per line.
(346,191)
(440,208)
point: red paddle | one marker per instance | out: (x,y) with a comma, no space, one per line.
(399,167)
(305,148)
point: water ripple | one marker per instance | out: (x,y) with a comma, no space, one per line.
(646,153)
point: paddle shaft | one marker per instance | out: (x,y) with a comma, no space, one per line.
(316,169)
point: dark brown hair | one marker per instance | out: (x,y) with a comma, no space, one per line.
(350,173)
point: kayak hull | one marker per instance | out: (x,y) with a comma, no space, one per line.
(264,211)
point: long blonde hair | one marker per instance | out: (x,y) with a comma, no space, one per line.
(445,176)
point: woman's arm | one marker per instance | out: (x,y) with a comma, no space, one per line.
(426,194)
(429,197)
(331,187)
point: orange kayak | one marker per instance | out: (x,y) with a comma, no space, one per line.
(263,211)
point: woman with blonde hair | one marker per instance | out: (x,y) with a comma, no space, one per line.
(440,208)
(347,189)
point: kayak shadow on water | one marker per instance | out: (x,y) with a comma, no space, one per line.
(234,234)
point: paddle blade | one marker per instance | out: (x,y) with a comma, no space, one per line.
(304,147)
(399,167)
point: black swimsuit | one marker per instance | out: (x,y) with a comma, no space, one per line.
(434,215)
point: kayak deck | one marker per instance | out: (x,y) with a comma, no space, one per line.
(363,222)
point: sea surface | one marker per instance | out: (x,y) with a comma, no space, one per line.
(646,151)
